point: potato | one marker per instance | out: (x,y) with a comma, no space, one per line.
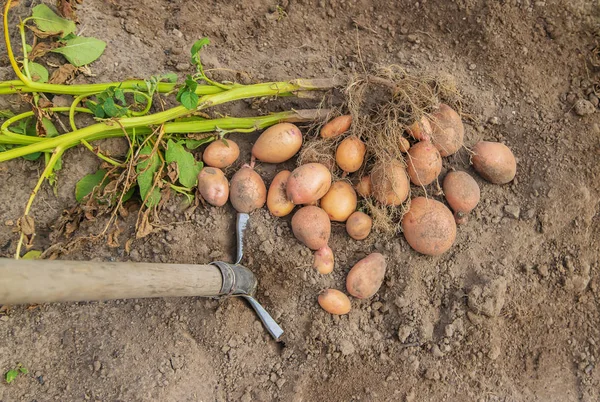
(312,227)
(462,194)
(350,154)
(404,145)
(308,183)
(334,302)
(494,162)
(340,201)
(324,260)
(337,126)
(429,226)
(359,225)
(278,143)
(213,186)
(421,129)
(424,163)
(390,183)
(448,130)
(248,191)
(366,276)
(277,201)
(221,153)
(363,188)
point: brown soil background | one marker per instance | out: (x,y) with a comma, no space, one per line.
(521,66)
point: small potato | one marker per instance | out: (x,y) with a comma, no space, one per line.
(462,193)
(277,201)
(337,126)
(340,201)
(308,183)
(213,186)
(494,162)
(221,153)
(248,190)
(404,145)
(424,163)
(429,226)
(278,143)
(334,302)
(359,225)
(312,227)
(420,130)
(448,130)
(363,188)
(390,183)
(324,260)
(366,276)
(350,154)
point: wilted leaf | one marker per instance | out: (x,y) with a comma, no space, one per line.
(113,237)
(144,226)
(27,225)
(87,184)
(187,166)
(40,49)
(47,21)
(32,255)
(65,73)
(146,170)
(38,72)
(80,51)
(67,8)
(42,34)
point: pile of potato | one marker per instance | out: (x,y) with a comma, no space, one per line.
(428,226)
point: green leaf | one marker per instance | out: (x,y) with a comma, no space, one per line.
(86,185)
(50,128)
(120,96)
(6,114)
(146,170)
(10,376)
(193,144)
(32,157)
(168,77)
(110,108)
(139,98)
(96,109)
(189,100)
(23,369)
(38,72)
(190,84)
(80,50)
(47,21)
(186,164)
(198,45)
(128,194)
(31,255)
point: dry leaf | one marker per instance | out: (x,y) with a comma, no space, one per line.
(128,246)
(64,74)
(144,225)
(26,225)
(113,237)
(40,49)
(67,8)
(173,172)
(44,103)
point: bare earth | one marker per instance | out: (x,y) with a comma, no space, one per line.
(511,313)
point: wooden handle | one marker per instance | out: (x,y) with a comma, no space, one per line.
(44,281)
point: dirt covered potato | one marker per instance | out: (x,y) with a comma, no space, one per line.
(312,227)
(334,302)
(221,153)
(429,226)
(462,194)
(350,154)
(494,162)
(340,201)
(277,200)
(336,126)
(364,187)
(248,191)
(424,163)
(323,260)
(213,186)
(447,130)
(308,183)
(278,143)
(359,225)
(390,183)
(366,276)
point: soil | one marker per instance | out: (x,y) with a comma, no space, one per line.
(510,313)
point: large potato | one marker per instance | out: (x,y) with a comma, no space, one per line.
(312,227)
(336,126)
(350,154)
(248,191)
(278,143)
(213,186)
(277,201)
(221,153)
(308,183)
(390,183)
(447,130)
(429,226)
(494,162)
(340,201)
(366,276)
(424,163)
(334,302)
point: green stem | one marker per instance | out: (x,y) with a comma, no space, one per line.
(100,155)
(250,91)
(4,128)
